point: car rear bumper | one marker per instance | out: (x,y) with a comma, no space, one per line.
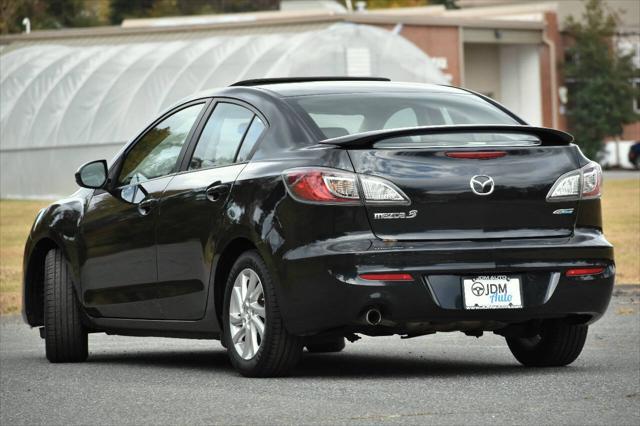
(321,290)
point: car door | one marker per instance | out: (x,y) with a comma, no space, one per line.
(119,272)
(193,203)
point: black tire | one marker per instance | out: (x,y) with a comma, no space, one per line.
(279,351)
(557,344)
(66,338)
(334,344)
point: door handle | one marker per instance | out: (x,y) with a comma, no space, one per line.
(146,206)
(216,191)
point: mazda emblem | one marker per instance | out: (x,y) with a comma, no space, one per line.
(482,184)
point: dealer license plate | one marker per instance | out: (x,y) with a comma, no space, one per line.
(492,292)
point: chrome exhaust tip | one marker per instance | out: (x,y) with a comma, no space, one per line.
(373,316)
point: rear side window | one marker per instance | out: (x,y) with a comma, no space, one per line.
(253,134)
(221,136)
(344,114)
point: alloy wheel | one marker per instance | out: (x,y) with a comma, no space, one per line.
(247,317)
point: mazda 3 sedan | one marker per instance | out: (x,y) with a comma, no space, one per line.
(280,214)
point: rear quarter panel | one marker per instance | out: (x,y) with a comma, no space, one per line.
(283,229)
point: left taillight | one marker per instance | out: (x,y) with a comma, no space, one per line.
(583,183)
(317,185)
(330,186)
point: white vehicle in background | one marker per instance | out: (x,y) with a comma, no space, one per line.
(616,154)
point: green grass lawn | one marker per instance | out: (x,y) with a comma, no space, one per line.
(621,222)
(621,210)
(16,218)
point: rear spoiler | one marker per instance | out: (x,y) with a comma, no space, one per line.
(361,140)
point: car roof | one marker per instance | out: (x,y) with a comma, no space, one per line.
(307,88)
(339,87)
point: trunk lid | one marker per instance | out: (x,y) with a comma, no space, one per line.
(437,175)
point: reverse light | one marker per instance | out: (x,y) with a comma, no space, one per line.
(591,180)
(331,186)
(387,277)
(583,183)
(581,272)
(379,190)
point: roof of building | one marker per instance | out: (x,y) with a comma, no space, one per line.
(258,21)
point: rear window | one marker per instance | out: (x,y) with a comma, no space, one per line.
(344,114)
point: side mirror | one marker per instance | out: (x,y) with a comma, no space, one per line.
(92,175)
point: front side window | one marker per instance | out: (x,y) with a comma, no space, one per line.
(221,136)
(156,153)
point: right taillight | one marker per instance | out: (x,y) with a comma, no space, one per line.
(583,183)
(330,186)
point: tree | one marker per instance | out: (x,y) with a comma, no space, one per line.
(599,77)
(449,4)
(14,11)
(46,14)
(121,9)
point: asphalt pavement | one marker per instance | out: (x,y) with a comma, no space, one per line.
(447,378)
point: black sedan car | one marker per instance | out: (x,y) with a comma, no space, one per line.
(288,213)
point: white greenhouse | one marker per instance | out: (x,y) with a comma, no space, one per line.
(65,102)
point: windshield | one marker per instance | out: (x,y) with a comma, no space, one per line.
(344,114)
